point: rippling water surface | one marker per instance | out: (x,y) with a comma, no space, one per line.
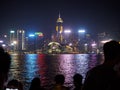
(26,67)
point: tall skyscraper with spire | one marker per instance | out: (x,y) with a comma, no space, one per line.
(59,29)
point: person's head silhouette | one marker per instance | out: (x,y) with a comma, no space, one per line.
(77,78)
(111,51)
(35,84)
(14,84)
(36,81)
(59,79)
(5,61)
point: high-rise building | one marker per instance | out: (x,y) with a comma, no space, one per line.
(12,36)
(21,40)
(59,29)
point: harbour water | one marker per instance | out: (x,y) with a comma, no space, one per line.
(26,67)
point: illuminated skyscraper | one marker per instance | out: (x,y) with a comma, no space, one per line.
(59,29)
(12,36)
(21,40)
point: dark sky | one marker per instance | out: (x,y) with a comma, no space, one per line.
(40,15)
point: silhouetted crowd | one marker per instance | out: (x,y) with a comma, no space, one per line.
(105,76)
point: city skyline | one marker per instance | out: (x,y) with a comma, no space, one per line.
(34,15)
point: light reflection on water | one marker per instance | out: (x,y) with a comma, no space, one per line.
(26,67)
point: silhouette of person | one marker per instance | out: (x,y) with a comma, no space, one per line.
(77,80)
(36,84)
(14,85)
(20,85)
(104,75)
(5,61)
(59,83)
(116,84)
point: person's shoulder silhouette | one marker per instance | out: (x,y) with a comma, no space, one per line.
(5,61)
(101,76)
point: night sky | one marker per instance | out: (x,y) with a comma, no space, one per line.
(95,16)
